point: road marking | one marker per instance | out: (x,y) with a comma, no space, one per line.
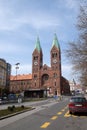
(54,117)
(74,116)
(70,115)
(45,125)
(59,113)
(63,110)
(67,114)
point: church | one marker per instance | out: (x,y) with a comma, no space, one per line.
(45,80)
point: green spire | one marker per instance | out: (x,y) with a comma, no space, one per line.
(55,42)
(37,45)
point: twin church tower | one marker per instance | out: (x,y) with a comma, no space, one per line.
(44,77)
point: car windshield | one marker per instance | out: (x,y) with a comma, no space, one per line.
(79,99)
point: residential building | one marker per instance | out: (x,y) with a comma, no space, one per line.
(20,83)
(5,71)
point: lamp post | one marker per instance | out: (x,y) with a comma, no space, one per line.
(17,67)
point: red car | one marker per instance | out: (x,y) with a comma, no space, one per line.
(77,104)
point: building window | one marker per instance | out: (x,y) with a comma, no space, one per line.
(45,77)
(55,83)
(35,57)
(54,55)
(35,76)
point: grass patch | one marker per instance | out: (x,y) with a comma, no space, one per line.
(13,110)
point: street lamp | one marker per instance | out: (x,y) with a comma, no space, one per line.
(17,67)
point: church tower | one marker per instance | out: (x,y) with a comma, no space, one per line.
(37,63)
(56,66)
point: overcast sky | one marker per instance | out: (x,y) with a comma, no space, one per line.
(22,21)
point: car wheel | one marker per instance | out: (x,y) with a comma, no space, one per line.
(70,112)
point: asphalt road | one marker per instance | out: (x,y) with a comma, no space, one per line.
(51,115)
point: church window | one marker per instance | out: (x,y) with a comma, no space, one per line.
(45,77)
(55,83)
(35,57)
(35,76)
(54,55)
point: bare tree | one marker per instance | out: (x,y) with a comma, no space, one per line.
(77,51)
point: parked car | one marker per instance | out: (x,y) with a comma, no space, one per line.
(77,104)
(3,99)
(12,97)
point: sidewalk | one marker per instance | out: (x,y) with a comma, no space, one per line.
(27,104)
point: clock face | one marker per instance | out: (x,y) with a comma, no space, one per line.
(35,63)
(54,61)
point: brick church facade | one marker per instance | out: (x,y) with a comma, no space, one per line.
(46,81)
(43,76)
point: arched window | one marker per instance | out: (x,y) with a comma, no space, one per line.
(35,76)
(54,55)
(35,57)
(45,77)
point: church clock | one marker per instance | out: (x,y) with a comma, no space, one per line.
(54,61)
(35,63)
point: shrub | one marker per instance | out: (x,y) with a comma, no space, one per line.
(11,108)
(22,106)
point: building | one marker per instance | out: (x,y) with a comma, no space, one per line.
(46,80)
(20,83)
(72,86)
(75,88)
(5,72)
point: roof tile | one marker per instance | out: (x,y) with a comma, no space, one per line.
(21,77)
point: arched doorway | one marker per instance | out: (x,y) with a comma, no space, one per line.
(45,83)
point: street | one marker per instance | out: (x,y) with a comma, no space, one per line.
(53,115)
